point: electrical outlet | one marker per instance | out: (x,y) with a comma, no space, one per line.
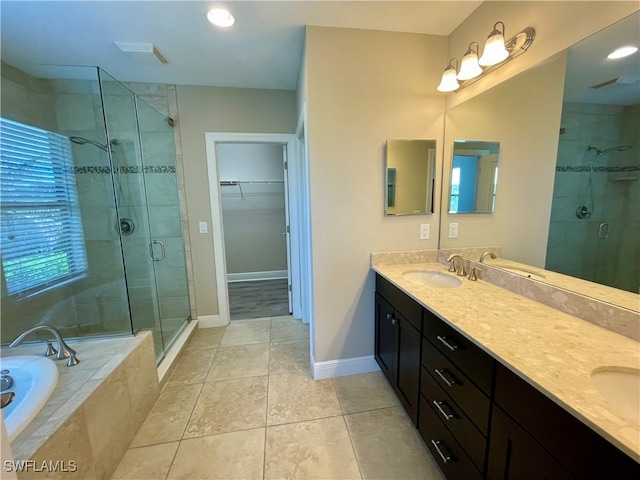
(453,230)
(203,227)
(425,231)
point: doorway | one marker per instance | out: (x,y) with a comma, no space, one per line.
(254,219)
(226,190)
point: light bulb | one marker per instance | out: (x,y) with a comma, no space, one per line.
(494,49)
(220,17)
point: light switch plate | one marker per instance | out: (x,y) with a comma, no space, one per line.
(204,228)
(453,230)
(425,231)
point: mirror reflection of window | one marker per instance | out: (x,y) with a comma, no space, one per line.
(474,177)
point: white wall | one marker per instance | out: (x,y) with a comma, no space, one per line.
(216,109)
(364,87)
(254,218)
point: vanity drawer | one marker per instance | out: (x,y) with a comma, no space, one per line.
(477,364)
(409,308)
(454,419)
(464,393)
(449,455)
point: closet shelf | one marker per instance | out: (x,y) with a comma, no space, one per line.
(240,183)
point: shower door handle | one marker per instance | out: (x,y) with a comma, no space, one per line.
(603,230)
(152,254)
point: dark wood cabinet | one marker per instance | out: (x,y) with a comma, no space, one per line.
(578,448)
(478,418)
(398,338)
(514,454)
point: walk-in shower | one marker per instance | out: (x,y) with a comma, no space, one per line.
(595,221)
(92,239)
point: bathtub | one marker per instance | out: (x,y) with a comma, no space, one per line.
(34,379)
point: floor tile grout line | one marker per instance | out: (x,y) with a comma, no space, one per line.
(173,459)
(186,425)
(266,411)
(353,447)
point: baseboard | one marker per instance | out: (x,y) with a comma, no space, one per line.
(253,276)
(209,321)
(343,367)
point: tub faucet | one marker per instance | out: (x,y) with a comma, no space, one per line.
(452,267)
(487,254)
(64,350)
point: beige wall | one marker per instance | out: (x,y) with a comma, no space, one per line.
(216,109)
(364,87)
(523,115)
(558,25)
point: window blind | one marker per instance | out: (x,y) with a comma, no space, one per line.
(42,242)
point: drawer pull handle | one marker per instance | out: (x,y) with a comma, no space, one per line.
(447,343)
(388,316)
(449,381)
(394,321)
(439,406)
(446,458)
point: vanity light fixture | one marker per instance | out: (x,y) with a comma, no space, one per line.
(449,81)
(220,17)
(493,57)
(494,49)
(622,52)
(470,68)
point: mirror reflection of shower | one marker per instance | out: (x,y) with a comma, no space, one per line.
(586,210)
(124,224)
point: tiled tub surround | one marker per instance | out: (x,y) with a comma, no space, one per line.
(96,408)
(611,308)
(552,350)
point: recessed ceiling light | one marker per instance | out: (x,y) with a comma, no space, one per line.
(220,17)
(622,52)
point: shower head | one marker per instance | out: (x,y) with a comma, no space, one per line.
(599,153)
(82,141)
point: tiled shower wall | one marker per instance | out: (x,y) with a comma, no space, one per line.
(613,181)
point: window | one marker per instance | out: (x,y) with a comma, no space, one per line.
(40,224)
(455,190)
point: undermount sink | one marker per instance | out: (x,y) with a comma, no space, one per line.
(432,278)
(520,271)
(621,387)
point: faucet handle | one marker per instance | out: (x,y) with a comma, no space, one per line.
(473,275)
(50,349)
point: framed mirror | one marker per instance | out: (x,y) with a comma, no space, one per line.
(409,177)
(569,134)
(474,176)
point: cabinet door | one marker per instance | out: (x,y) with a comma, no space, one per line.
(408,366)
(514,454)
(386,340)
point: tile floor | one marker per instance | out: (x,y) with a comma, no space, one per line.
(241,404)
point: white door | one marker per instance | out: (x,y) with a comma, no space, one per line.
(287,221)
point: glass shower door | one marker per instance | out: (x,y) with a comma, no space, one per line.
(132,219)
(163,203)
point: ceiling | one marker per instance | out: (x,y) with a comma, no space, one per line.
(262,50)
(587,65)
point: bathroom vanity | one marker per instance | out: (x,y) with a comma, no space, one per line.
(499,386)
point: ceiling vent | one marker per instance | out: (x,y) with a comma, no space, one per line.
(143,48)
(624,80)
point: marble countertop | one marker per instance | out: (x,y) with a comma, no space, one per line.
(553,351)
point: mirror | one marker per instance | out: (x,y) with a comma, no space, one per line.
(554,129)
(410,177)
(474,177)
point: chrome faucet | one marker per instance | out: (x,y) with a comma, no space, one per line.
(64,350)
(487,254)
(452,267)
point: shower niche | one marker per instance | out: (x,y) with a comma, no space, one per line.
(114,153)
